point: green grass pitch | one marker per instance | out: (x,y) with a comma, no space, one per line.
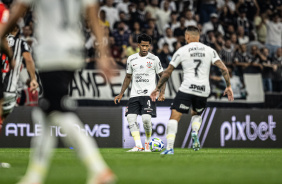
(185,166)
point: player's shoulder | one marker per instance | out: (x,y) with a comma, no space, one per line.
(132,57)
(152,56)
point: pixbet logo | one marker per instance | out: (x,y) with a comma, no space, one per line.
(248,130)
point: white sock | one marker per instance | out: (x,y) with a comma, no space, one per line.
(134,129)
(42,149)
(171,133)
(85,146)
(147,123)
(196,123)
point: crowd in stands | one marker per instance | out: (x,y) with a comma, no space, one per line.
(247,34)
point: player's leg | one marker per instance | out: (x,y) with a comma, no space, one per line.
(41,152)
(199,105)
(181,104)
(133,109)
(148,111)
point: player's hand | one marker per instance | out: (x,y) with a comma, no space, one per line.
(161,97)
(118,98)
(228,91)
(154,95)
(33,86)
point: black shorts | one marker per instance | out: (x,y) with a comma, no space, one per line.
(55,91)
(141,105)
(183,101)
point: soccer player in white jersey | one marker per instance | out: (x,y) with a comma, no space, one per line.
(58,54)
(141,69)
(196,60)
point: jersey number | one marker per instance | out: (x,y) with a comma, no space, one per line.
(149,103)
(198,61)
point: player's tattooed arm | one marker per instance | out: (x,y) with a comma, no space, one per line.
(224,72)
(162,93)
(125,85)
(164,77)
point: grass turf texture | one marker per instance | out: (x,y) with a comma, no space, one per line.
(185,166)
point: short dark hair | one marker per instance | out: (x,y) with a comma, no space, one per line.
(193,29)
(144,37)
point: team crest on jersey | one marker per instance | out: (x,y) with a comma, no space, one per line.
(149,64)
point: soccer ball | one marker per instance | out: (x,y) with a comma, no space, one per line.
(156,144)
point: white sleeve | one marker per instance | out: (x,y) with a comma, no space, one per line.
(176,59)
(27,2)
(89,3)
(128,66)
(215,56)
(158,66)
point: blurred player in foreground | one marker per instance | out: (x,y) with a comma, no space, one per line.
(196,59)
(58,55)
(141,69)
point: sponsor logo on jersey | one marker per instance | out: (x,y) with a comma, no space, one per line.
(149,64)
(196,48)
(142,91)
(197,88)
(182,106)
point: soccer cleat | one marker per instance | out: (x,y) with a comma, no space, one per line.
(105,177)
(147,147)
(168,152)
(195,141)
(136,149)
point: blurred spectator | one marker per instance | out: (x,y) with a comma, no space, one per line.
(155,39)
(139,15)
(213,25)
(152,25)
(256,58)
(135,32)
(261,29)
(236,84)
(207,7)
(153,8)
(229,5)
(226,17)
(227,53)
(176,46)
(241,60)
(250,6)
(274,34)
(163,17)
(253,42)
(122,37)
(209,39)
(230,30)
(103,20)
(165,55)
(219,42)
(243,21)
(132,49)
(185,5)
(268,69)
(242,38)
(234,41)
(173,24)
(123,6)
(277,81)
(179,32)
(171,5)
(111,13)
(122,18)
(168,38)
(189,21)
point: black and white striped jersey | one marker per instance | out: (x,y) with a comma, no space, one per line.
(11,76)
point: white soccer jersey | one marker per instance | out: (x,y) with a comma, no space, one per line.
(59,33)
(196,59)
(143,70)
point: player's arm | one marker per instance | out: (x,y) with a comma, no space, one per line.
(165,76)
(31,70)
(92,16)
(162,89)
(225,74)
(126,82)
